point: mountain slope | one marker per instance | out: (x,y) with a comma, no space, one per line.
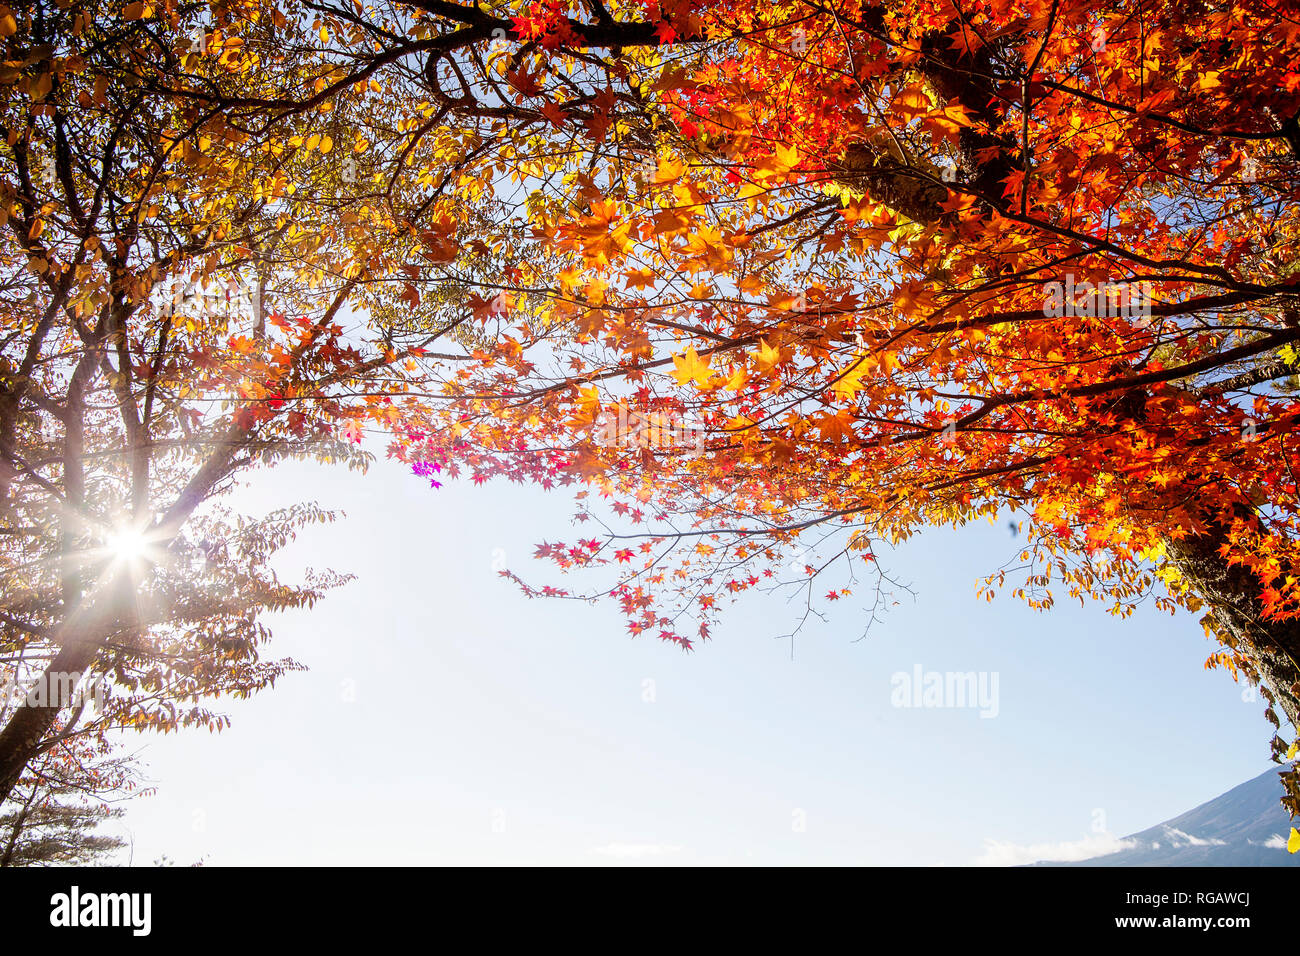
(1243,827)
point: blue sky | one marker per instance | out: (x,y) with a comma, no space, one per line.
(446,718)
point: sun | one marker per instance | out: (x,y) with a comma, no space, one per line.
(127,544)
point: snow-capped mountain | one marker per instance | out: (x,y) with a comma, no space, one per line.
(1244,827)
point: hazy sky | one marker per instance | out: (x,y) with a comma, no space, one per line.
(448,719)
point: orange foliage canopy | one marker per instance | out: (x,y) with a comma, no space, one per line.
(886,266)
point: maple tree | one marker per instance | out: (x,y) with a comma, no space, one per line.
(904,264)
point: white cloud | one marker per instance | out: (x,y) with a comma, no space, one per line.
(1001,853)
(1276,842)
(635,851)
(1176,835)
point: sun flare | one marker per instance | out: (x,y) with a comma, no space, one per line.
(127,544)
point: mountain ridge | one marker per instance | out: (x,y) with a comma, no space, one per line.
(1244,826)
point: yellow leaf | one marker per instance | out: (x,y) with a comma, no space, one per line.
(849,384)
(9,26)
(912,101)
(782,161)
(690,368)
(1208,81)
(1293,844)
(324,35)
(589,402)
(669,170)
(737,380)
(326,144)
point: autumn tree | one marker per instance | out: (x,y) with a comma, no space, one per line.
(204,269)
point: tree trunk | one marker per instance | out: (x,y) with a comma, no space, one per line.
(81,638)
(31,723)
(1232,594)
